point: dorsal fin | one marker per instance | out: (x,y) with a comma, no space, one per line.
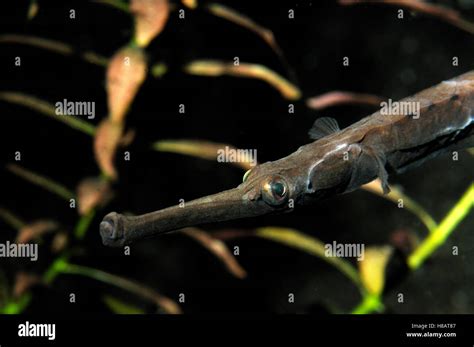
(322,127)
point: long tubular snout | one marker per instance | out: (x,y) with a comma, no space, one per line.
(117,230)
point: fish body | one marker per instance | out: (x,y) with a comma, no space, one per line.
(338,161)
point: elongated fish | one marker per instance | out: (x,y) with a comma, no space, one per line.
(338,161)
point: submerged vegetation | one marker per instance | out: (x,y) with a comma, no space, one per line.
(126,72)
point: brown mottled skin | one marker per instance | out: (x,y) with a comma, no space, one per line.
(337,163)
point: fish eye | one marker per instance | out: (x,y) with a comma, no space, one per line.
(275,191)
(246,175)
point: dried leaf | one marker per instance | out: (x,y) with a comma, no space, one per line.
(219,68)
(150,19)
(167,305)
(219,249)
(106,142)
(125,74)
(23,282)
(190,3)
(127,138)
(32,9)
(336,98)
(201,149)
(92,192)
(34,230)
(229,234)
(372,268)
(232,15)
(60,242)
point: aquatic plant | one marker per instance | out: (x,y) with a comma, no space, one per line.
(126,72)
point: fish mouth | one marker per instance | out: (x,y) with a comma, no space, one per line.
(118,230)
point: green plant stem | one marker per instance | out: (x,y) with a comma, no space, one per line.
(53,46)
(83,224)
(313,246)
(47,109)
(431,243)
(11,219)
(42,181)
(370,303)
(445,228)
(422,214)
(61,266)
(16,307)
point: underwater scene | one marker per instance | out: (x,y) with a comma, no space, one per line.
(240,158)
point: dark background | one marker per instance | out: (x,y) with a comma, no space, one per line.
(388,56)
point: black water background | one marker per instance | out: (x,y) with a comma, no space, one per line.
(388,56)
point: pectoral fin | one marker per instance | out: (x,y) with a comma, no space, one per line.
(369,164)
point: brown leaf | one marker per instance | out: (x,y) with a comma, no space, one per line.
(32,9)
(238,18)
(127,138)
(60,242)
(106,142)
(248,70)
(190,3)
(336,98)
(92,192)
(23,281)
(219,249)
(150,19)
(125,74)
(201,149)
(35,230)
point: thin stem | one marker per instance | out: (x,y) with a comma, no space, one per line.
(83,224)
(445,228)
(47,109)
(16,307)
(53,46)
(312,246)
(11,219)
(42,181)
(242,20)
(120,282)
(369,304)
